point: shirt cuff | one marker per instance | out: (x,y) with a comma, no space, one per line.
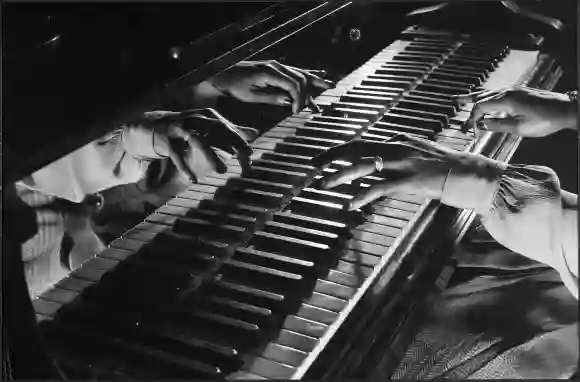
(472,183)
(139,143)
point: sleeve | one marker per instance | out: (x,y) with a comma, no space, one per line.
(523,208)
(121,157)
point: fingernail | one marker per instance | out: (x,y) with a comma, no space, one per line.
(481,125)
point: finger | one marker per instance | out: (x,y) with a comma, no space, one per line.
(313,76)
(504,125)
(232,134)
(462,99)
(249,134)
(181,166)
(316,81)
(313,106)
(380,190)
(365,167)
(497,104)
(200,143)
(334,153)
(287,83)
(300,77)
(271,98)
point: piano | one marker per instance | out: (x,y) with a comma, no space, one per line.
(263,276)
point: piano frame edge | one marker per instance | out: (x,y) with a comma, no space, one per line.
(388,313)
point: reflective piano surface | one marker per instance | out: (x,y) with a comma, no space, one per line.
(262,276)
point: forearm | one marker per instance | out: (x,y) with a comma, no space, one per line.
(522,208)
(570,116)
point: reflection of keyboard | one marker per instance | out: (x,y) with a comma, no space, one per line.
(221,282)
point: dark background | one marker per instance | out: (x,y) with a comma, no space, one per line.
(110,53)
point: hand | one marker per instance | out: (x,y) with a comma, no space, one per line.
(521,110)
(198,144)
(407,164)
(269,82)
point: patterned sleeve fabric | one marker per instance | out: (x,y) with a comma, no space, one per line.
(523,208)
(120,158)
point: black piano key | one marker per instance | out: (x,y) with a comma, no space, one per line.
(340,121)
(450,76)
(367,247)
(333,289)
(180,257)
(477,65)
(356,105)
(133,345)
(197,227)
(373,235)
(191,246)
(235,309)
(277,261)
(309,150)
(255,196)
(325,142)
(304,326)
(416,73)
(377,81)
(407,65)
(432,107)
(268,368)
(288,158)
(369,99)
(369,115)
(283,354)
(271,279)
(276,302)
(90,359)
(336,227)
(305,249)
(296,340)
(317,314)
(461,72)
(409,57)
(303,233)
(433,97)
(464,87)
(421,114)
(441,88)
(420,122)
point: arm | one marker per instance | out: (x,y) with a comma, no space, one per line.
(523,208)
(121,157)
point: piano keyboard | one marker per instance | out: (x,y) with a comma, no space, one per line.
(222,281)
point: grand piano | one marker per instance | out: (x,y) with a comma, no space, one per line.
(260,275)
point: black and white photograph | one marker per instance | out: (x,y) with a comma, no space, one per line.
(253,190)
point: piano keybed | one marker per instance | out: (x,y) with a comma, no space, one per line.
(249,276)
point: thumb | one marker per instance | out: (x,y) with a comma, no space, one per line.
(504,125)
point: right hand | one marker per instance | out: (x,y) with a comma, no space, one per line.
(520,110)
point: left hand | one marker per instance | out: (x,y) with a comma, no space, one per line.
(270,82)
(420,167)
(198,142)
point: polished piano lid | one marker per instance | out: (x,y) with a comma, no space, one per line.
(104,64)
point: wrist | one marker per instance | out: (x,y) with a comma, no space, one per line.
(472,182)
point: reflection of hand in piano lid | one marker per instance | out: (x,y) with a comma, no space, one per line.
(267,82)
